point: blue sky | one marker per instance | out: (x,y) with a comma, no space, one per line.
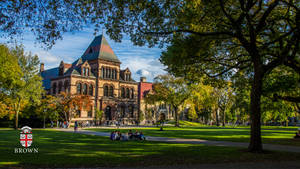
(142,61)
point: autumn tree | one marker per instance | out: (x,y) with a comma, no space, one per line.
(47,108)
(69,104)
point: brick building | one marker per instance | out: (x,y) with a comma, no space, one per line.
(97,73)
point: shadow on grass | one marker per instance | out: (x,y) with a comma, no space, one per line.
(60,149)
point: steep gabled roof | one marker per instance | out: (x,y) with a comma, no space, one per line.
(100,49)
(47,75)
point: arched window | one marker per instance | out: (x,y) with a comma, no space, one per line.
(132,93)
(59,87)
(79,88)
(54,88)
(122,92)
(91,90)
(127,93)
(85,89)
(111,91)
(103,72)
(105,90)
(66,86)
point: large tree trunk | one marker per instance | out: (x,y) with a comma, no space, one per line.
(256,92)
(176,116)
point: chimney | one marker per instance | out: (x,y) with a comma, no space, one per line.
(143,79)
(42,67)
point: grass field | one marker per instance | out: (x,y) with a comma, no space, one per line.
(60,149)
(271,135)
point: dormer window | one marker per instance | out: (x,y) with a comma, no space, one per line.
(91,50)
(85,71)
(127,77)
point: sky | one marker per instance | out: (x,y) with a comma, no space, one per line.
(142,61)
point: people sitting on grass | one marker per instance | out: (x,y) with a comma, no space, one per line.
(117,135)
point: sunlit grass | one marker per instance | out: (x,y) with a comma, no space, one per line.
(270,134)
(61,149)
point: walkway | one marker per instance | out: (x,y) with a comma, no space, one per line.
(197,141)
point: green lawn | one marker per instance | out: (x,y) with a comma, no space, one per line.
(271,135)
(60,149)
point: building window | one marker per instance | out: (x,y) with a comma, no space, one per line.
(113,74)
(132,93)
(122,92)
(91,90)
(79,88)
(54,88)
(105,90)
(83,71)
(116,74)
(111,91)
(106,76)
(87,71)
(103,72)
(85,89)
(127,93)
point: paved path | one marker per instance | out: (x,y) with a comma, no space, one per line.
(197,141)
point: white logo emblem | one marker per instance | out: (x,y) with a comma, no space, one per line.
(26,136)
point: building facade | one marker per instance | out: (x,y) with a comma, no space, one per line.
(97,73)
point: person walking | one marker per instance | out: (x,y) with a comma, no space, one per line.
(75,126)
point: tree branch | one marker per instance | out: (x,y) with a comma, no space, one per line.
(287,98)
(190,31)
(262,21)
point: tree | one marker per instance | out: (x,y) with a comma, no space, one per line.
(256,36)
(161,120)
(10,73)
(99,115)
(47,108)
(170,90)
(70,104)
(200,101)
(141,117)
(23,85)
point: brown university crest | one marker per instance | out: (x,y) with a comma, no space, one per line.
(26,136)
